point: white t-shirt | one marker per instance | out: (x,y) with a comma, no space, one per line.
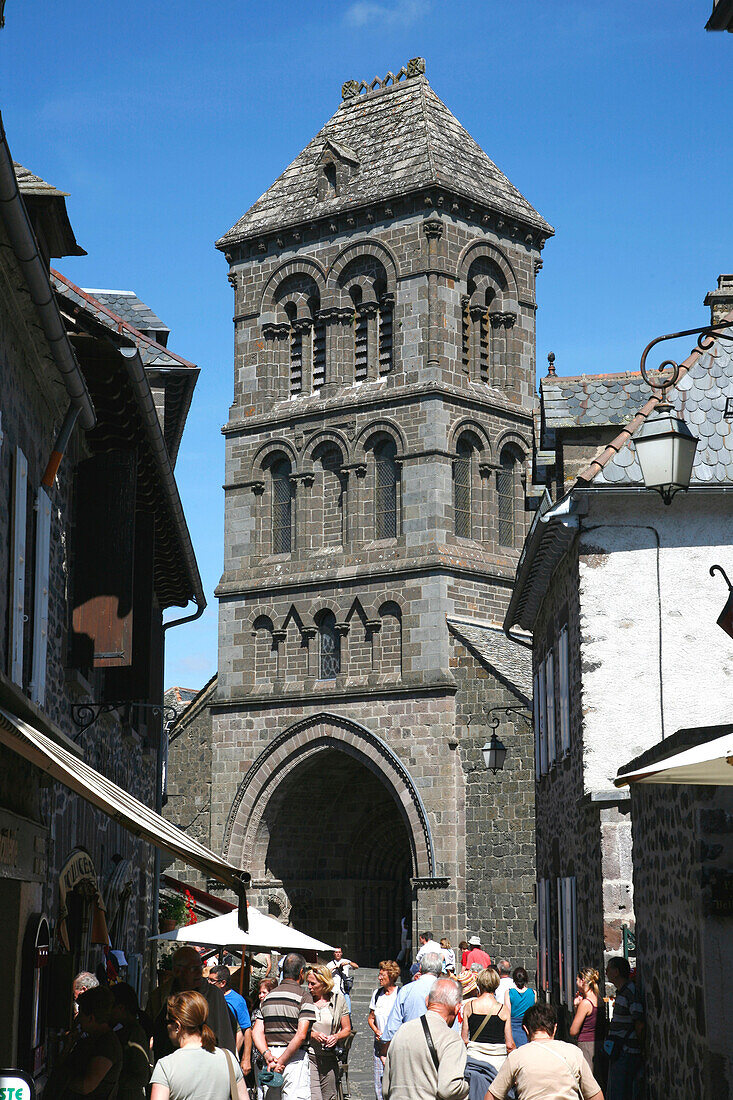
(431,947)
(381,1005)
(344,966)
(449,958)
(196,1074)
(505,984)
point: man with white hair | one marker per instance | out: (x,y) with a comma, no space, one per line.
(82,982)
(427,1060)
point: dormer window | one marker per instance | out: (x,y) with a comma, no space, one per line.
(331,188)
(337,164)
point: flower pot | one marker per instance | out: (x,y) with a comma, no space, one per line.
(167,925)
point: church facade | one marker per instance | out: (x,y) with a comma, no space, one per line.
(378,488)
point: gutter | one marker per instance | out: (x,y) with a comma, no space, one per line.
(553,531)
(22,238)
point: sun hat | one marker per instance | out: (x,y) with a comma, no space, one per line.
(468,983)
(475,941)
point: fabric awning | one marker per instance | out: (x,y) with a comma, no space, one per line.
(133,815)
(708,764)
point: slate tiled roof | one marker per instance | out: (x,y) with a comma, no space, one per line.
(405,139)
(127,305)
(151,353)
(511,661)
(592,400)
(29,184)
(700,396)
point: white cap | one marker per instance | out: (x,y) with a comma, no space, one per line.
(475,941)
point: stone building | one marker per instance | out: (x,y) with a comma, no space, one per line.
(378,486)
(93,548)
(616,591)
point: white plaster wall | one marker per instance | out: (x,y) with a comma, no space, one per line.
(623,632)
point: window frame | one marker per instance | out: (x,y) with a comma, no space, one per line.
(567,937)
(327,629)
(544,935)
(275,505)
(563,687)
(463,464)
(390,487)
(550,709)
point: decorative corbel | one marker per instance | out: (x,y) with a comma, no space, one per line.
(342,629)
(279,636)
(257,487)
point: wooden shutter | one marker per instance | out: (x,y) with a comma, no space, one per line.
(17,574)
(103,560)
(550,693)
(40,597)
(564,690)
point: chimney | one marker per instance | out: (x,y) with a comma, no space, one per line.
(720,300)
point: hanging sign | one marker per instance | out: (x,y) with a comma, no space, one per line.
(15,1085)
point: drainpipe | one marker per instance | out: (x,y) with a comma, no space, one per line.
(59,447)
(200,608)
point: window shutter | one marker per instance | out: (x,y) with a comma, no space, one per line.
(564,673)
(17,581)
(537,728)
(550,692)
(103,560)
(40,598)
(543,719)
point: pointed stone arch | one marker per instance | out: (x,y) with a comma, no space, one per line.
(298,744)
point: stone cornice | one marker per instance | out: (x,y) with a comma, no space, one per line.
(405,204)
(365,573)
(342,403)
(406,688)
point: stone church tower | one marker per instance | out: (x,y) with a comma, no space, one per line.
(378,484)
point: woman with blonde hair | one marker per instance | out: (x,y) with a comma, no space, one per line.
(584,1028)
(333,1024)
(197,1069)
(486,1031)
(380,1006)
(449,956)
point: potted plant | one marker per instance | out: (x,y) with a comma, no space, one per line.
(172,912)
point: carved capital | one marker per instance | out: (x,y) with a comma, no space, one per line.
(279,636)
(275,331)
(368,309)
(373,626)
(477,312)
(308,633)
(306,478)
(386,301)
(342,629)
(433,228)
(359,468)
(485,468)
(232,279)
(257,487)
(303,324)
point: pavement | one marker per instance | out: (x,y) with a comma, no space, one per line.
(361,1065)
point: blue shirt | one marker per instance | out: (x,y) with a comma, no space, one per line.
(238,1006)
(410,1004)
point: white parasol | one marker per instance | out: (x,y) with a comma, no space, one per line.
(263,932)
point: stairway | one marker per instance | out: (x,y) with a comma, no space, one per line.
(361,1071)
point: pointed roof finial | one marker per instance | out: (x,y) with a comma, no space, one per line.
(551,364)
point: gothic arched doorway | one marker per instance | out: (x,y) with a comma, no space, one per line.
(333,844)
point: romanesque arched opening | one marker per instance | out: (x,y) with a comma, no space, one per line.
(333,845)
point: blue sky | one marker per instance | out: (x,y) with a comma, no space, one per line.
(166,120)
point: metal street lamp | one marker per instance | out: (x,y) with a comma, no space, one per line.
(494,752)
(725,618)
(664,444)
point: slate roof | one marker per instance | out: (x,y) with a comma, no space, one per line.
(405,139)
(127,305)
(701,397)
(592,400)
(511,661)
(30,184)
(47,204)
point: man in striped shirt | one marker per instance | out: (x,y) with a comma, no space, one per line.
(288,1014)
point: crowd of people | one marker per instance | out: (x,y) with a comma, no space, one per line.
(450,1031)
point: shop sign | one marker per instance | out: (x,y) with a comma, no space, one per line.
(22,848)
(15,1085)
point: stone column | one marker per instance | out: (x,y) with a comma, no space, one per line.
(433,229)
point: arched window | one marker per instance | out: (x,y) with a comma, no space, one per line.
(385,490)
(330,656)
(506,494)
(282,507)
(462,494)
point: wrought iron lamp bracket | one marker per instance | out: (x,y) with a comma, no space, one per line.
(705,339)
(517,711)
(84,715)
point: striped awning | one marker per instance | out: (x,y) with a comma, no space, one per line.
(133,815)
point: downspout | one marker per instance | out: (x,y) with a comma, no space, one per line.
(59,447)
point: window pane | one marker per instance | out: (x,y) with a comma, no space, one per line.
(282,508)
(462,493)
(385,497)
(330,648)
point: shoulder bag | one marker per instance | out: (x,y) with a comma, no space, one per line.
(232,1078)
(431,1044)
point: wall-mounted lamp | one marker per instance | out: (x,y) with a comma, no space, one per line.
(494,751)
(664,444)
